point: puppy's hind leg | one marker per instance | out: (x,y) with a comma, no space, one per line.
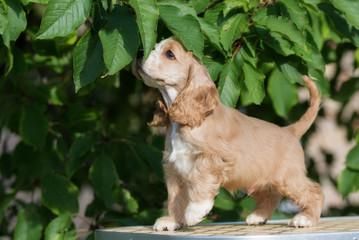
(267,200)
(308,196)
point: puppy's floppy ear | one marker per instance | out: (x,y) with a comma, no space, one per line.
(195,102)
(160,116)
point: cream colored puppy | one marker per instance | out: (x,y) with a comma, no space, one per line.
(209,145)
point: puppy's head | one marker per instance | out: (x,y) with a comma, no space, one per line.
(167,65)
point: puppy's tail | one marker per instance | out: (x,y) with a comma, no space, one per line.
(302,125)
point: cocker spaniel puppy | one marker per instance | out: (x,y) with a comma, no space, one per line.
(209,145)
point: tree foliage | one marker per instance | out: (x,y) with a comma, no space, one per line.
(67,91)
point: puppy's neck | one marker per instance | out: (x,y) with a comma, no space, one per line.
(169,94)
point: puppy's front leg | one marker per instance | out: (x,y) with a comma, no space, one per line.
(202,187)
(197,210)
(177,201)
(267,200)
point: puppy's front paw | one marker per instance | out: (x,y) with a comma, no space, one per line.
(255,219)
(166,223)
(196,211)
(301,220)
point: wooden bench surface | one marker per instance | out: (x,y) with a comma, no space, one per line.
(329,229)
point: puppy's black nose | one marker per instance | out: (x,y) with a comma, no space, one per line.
(135,66)
(140,53)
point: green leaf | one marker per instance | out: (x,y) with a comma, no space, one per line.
(247,206)
(7,60)
(291,73)
(230,5)
(214,68)
(146,17)
(103,176)
(252,86)
(336,26)
(200,5)
(60,228)
(214,15)
(311,55)
(59,194)
(233,29)
(62,17)
(151,155)
(347,90)
(248,53)
(224,201)
(348,181)
(285,38)
(3,16)
(5,202)
(29,160)
(184,8)
(29,225)
(312,2)
(282,92)
(282,26)
(12,19)
(34,1)
(349,8)
(280,44)
(353,158)
(296,13)
(179,21)
(81,145)
(320,80)
(106,5)
(130,203)
(33,125)
(229,87)
(119,39)
(55,96)
(355,37)
(87,61)
(211,32)
(315,26)
(254,82)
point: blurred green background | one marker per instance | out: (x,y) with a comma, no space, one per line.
(76,153)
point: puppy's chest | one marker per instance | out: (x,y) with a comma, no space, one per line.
(182,154)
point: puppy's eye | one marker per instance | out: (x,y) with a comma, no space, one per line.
(169,54)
